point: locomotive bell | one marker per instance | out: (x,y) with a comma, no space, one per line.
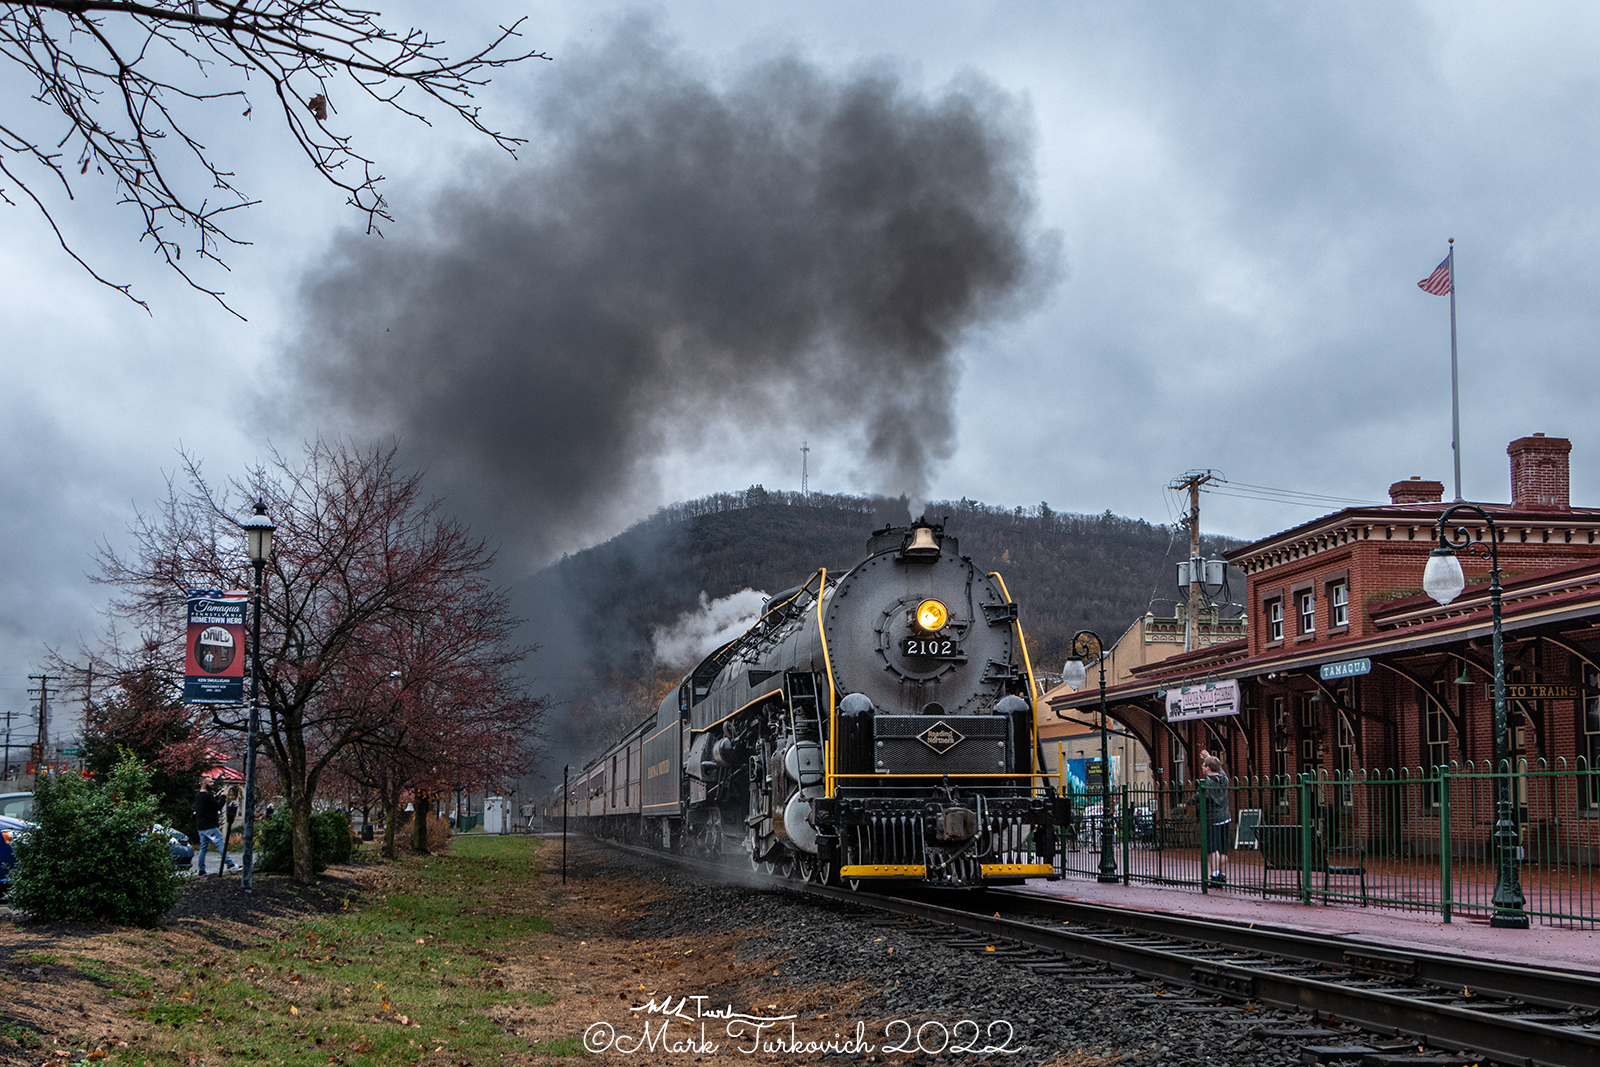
(922,544)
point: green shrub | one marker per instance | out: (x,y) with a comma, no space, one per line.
(91,855)
(340,841)
(330,841)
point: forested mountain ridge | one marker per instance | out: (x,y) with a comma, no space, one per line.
(592,612)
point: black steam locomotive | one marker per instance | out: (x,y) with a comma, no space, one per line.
(878,725)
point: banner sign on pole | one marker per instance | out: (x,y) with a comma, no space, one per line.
(213,671)
(1208,701)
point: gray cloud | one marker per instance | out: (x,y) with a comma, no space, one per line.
(683,257)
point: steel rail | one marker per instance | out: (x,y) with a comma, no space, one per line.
(1531,1016)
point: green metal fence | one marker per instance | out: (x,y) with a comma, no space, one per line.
(1412,839)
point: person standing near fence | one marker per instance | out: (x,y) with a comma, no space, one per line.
(1218,814)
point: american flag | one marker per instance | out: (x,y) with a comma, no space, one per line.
(1437,283)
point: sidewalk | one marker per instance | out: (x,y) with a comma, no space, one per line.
(1567,949)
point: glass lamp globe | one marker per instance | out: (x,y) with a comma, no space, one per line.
(1442,578)
(258,535)
(1074,674)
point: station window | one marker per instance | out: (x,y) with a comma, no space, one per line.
(1275,620)
(1589,741)
(1338,605)
(1347,757)
(1435,738)
(1310,732)
(1308,613)
(1280,754)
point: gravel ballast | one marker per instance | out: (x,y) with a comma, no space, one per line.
(913,982)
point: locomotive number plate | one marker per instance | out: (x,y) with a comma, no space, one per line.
(931,647)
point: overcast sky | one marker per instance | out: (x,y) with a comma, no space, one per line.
(1242,198)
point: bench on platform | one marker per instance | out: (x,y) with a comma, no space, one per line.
(1281,851)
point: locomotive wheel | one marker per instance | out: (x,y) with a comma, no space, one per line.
(806,868)
(853,853)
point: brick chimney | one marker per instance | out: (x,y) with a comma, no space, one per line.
(1416,491)
(1540,478)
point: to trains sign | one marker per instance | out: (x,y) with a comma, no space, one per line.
(1537,691)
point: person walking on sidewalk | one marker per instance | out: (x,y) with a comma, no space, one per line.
(205,824)
(1219,816)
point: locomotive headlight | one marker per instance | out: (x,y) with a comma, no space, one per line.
(931,616)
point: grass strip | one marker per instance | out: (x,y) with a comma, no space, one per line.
(410,976)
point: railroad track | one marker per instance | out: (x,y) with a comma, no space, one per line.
(1476,1009)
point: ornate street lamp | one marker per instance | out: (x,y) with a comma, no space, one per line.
(258,536)
(1086,645)
(1442,579)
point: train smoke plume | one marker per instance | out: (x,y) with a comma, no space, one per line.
(697,634)
(683,261)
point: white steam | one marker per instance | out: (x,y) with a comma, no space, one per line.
(698,633)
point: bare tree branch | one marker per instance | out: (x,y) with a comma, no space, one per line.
(115,72)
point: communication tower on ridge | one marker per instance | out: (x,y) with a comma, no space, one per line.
(805,488)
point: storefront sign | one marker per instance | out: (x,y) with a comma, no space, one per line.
(214,652)
(1350,668)
(1209,700)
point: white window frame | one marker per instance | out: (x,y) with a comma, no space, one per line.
(1308,612)
(1339,604)
(1275,620)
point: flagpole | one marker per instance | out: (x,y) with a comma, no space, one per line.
(1455,394)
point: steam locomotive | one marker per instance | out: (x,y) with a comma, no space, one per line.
(878,725)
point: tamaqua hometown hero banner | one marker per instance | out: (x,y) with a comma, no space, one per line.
(213,671)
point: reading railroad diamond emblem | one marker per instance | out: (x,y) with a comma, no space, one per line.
(941,737)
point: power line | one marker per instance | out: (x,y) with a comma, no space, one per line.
(1285,496)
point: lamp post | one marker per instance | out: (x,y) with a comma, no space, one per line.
(258,537)
(1442,579)
(1087,643)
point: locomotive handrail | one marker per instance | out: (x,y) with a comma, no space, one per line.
(1027,665)
(830,749)
(942,774)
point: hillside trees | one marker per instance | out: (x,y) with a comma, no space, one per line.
(138,90)
(378,622)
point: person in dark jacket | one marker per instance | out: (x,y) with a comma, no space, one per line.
(206,811)
(1219,816)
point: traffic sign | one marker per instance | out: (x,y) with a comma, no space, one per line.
(72,752)
(1349,668)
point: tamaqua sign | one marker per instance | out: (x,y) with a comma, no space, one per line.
(1350,668)
(213,671)
(1208,701)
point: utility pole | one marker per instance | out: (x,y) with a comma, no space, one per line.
(8,743)
(44,692)
(1193,481)
(805,487)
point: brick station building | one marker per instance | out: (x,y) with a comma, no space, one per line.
(1408,681)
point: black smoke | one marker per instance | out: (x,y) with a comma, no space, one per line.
(677,261)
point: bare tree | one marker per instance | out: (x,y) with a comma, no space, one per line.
(379,626)
(124,77)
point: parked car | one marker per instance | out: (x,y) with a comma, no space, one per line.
(17,806)
(11,830)
(177,843)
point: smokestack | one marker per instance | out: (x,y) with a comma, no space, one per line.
(1540,477)
(1416,491)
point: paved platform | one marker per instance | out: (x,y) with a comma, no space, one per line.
(1567,949)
